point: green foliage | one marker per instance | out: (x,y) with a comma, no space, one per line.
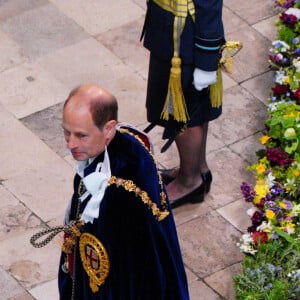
(284,127)
(285,34)
(269,273)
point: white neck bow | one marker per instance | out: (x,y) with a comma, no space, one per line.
(96,184)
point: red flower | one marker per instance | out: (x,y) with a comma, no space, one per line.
(288,19)
(280,89)
(257,218)
(297,94)
(278,156)
(259,237)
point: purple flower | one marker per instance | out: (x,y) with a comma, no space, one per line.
(248,192)
(276,190)
(288,204)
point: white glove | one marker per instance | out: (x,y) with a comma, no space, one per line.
(202,79)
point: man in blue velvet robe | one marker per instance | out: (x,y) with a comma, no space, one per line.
(121,241)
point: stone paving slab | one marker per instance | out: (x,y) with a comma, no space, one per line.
(253,59)
(16,136)
(242,116)
(8,285)
(267,28)
(209,244)
(222,281)
(46,190)
(42,30)
(248,147)
(46,291)
(199,289)
(29,266)
(11,53)
(15,217)
(28,88)
(12,8)
(260,86)
(125,43)
(113,13)
(252,11)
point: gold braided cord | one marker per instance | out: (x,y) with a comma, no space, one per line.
(175,103)
(130,186)
(228,50)
(163,198)
(179,8)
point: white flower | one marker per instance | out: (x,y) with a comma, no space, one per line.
(293,11)
(272,106)
(246,244)
(265,227)
(296,209)
(269,180)
(281,45)
(289,229)
(248,249)
(280,77)
(296,64)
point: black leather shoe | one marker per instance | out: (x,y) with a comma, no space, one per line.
(195,196)
(166,178)
(207,179)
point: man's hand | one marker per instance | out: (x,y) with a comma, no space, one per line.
(202,79)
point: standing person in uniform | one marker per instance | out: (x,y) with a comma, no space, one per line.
(120,238)
(184,38)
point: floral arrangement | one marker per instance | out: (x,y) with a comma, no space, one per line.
(271,267)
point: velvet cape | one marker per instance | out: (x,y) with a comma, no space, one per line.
(144,253)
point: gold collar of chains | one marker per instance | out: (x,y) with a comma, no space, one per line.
(129,185)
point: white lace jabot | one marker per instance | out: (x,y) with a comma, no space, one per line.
(96,184)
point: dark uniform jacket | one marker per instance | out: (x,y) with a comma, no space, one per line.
(144,254)
(200,41)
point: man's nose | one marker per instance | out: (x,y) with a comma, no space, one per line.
(71,142)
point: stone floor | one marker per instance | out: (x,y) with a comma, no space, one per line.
(50,46)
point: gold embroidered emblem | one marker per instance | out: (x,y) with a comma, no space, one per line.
(94,259)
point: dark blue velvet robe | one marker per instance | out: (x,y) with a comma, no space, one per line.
(144,253)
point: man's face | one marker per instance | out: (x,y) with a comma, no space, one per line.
(83,137)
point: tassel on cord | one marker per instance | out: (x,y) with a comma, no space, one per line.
(175,102)
(225,64)
(175,98)
(216,90)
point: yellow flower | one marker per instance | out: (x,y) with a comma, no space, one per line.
(261,190)
(282,204)
(264,139)
(270,214)
(290,115)
(289,228)
(261,168)
(287,79)
(296,173)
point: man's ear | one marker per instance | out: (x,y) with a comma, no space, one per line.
(110,129)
